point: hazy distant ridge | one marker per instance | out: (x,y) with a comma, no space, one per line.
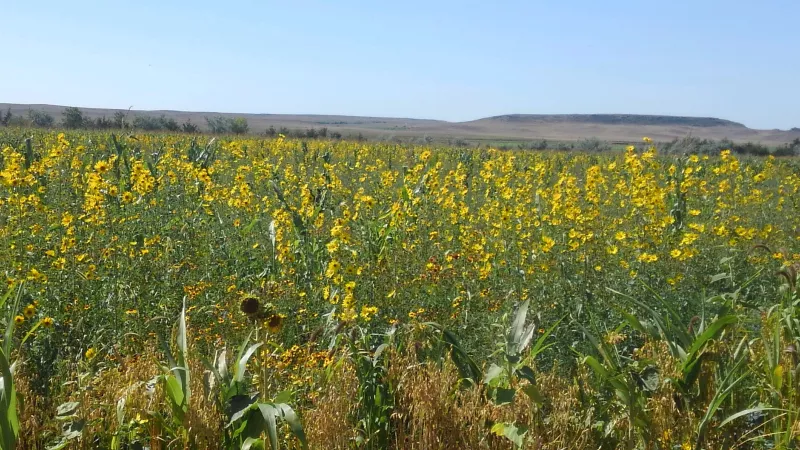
(618,119)
(516,127)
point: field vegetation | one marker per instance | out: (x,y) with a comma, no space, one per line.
(173,290)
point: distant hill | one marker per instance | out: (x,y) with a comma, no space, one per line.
(511,127)
(617,119)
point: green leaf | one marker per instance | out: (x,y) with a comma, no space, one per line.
(598,368)
(67,409)
(719,276)
(650,378)
(253,443)
(269,412)
(241,364)
(9,422)
(238,406)
(533,393)
(517,326)
(283,397)
(747,412)
(512,432)
(526,373)
(539,346)
(174,391)
(711,332)
(725,388)
(492,374)
(777,377)
(503,396)
(294,423)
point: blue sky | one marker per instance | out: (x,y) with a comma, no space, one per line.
(451,60)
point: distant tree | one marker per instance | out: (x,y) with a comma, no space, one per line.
(73,118)
(750,148)
(217,125)
(147,123)
(311,133)
(100,123)
(238,125)
(40,119)
(323,132)
(594,145)
(336,135)
(169,124)
(285,131)
(119,120)
(271,132)
(5,119)
(189,127)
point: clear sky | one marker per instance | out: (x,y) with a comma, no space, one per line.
(451,60)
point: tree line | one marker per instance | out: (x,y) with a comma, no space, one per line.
(74,118)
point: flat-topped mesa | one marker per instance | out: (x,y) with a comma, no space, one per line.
(615,119)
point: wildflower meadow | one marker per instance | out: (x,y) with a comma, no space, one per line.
(178,291)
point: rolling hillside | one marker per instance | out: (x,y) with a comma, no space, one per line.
(513,127)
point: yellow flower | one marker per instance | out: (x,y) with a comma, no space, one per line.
(647,140)
(367,312)
(647,258)
(101,167)
(675,253)
(18,319)
(29,311)
(275,323)
(90,353)
(333,268)
(47,322)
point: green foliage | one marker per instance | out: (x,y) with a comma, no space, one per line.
(9,418)
(73,118)
(227,125)
(375,393)
(40,119)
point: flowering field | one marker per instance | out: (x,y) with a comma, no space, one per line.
(535,299)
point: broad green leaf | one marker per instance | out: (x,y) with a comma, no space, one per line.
(253,443)
(269,412)
(598,368)
(777,377)
(512,432)
(719,276)
(68,409)
(174,391)
(747,412)
(533,392)
(284,396)
(503,396)
(241,364)
(294,423)
(492,374)
(517,327)
(526,373)
(238,406)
